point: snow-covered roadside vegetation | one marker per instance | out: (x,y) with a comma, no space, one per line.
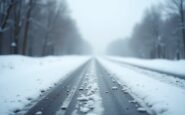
(24,79)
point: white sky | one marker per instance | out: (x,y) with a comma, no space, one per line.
(102,21)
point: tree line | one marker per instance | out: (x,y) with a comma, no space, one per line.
(39,28)
(160,34)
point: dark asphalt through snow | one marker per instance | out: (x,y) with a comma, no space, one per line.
(115,101)
(52,102)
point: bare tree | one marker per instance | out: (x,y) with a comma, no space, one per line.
(177,7)
(38,27)
(146,34)
(17,26)
(27,24)
(7,6)
(51,22)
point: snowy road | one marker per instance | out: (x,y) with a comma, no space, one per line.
(89,90)
(116,99)
(52,102)
(83,86)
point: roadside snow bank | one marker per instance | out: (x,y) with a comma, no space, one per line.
(162,98)
(23,78)
(171,66)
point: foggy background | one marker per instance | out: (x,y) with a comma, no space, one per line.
(103,21)
(134,28)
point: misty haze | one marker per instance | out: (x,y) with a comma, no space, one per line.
(92,57)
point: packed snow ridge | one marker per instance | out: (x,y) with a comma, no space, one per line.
(89,101)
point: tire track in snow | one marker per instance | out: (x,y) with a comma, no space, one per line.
(116,98)
(89,101)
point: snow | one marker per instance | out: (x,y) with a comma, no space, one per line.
(24,78)
(13,44)
(83,98)
(38,113)
(171,66)
(161,97)
(133,101)
(89,102)
(140,109)
(114,88)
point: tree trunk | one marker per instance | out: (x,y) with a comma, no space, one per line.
(17,26)
(45,45)
(25,38)
(181,11)
(4,23)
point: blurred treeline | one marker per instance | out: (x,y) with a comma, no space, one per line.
(39,28)
(160,34)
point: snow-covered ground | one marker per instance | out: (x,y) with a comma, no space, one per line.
(24,78)
(171,66)
(161,97)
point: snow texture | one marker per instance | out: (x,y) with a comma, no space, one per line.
(24,79)
(89,101)
(175,66)
(161,97)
